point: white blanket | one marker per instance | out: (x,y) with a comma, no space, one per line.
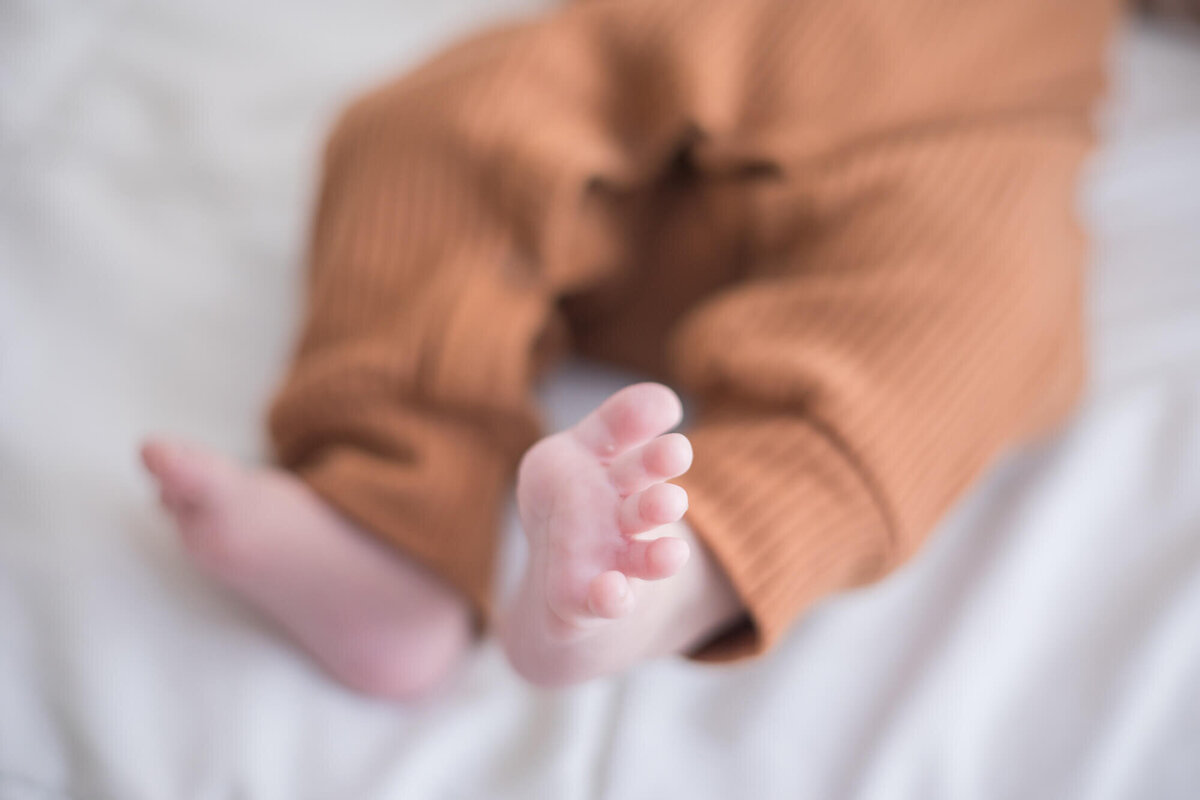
(156,171)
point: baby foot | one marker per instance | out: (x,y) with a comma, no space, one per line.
(613,576)
(375,620)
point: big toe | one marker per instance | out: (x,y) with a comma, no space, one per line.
(630,417)
(190,477)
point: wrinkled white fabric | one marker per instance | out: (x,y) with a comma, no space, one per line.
(156,172)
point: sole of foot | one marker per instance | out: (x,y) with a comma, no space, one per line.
(614,576)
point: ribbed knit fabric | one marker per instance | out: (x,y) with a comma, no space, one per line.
(845,227)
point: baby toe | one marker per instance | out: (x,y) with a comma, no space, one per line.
(663,458)
(656,559)
(658,505)
(610,595)
(628,418)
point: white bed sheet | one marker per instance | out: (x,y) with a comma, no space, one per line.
(155,177)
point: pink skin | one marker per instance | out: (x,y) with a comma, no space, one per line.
(614,577)
(378,622)
(598,595)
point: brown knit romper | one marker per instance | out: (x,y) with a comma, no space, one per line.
(846,228)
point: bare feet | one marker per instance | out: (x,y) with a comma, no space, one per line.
(378,622)
(597,596)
